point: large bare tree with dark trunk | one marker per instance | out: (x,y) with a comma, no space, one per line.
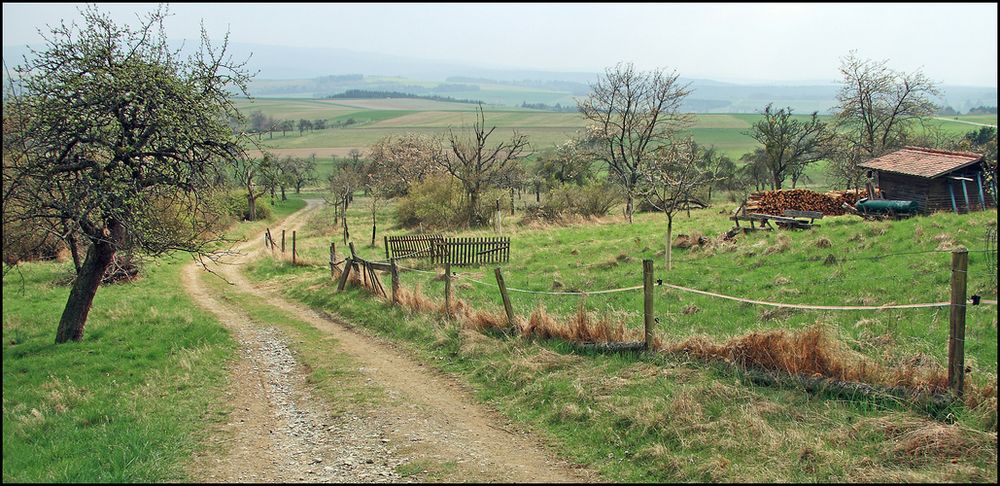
(632,113)
(477,164)
(876,105)
(122,137)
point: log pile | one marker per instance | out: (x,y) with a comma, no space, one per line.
(776,202)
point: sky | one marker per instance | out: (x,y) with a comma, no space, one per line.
(953,43)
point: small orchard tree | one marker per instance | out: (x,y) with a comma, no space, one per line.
(789,144)
(571,162)
(405,160)
(676,172)
(346,178)
(632,114)
(133,135)
(253,176)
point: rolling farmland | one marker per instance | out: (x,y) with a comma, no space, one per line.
(363,122)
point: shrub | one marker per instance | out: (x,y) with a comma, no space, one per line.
(235,204)
(595,199)
(434,202)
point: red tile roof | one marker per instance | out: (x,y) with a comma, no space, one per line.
(922,162)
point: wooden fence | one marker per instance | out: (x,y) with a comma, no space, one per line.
(471,251)
(416,246)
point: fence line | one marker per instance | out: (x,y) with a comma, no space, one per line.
(809,306)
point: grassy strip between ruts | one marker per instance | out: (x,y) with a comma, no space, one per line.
(657,418)
(130,402)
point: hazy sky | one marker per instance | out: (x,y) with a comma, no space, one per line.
(953,43)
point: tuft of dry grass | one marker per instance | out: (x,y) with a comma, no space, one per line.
(781,245)
(919,441)
(580,327)
(823,242)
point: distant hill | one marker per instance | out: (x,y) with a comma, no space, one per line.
(321,72)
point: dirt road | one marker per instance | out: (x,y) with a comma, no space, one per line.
(279,432)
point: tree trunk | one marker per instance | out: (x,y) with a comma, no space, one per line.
(669,235)
(283,198)
(373,227)
(74,250)
(347,234)
(628,207)
(251,206)
(473,204)
(81,297)
(512,201)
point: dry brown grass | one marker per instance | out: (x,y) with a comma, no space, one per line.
(815,352)
(916,441)
(581,327)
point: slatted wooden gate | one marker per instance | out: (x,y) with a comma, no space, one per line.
(416,246)
(471,251)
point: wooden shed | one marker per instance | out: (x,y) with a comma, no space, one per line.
(937,180)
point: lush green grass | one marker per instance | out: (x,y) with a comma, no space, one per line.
(129,403)
(661,418)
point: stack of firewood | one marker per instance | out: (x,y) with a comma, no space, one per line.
(776,202)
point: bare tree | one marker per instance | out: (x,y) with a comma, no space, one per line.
(477,165)
(133,136)
(877,105)
(632,114)
(669,184)
(346,178)
(789,144)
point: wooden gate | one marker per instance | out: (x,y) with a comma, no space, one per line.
(470,251)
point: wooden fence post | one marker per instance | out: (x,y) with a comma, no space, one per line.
(394,272)
(333,257)
(447,289)
(385,243)
(647,302)
(348,263)
(282,241)
(293,247)
(506,299)
(956,335)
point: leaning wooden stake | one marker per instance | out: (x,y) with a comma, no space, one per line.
(394,272)
(447,289)
(506,299)
(348,263)
(647,301)
(956,336)
(293,247)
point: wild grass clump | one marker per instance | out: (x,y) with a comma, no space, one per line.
(581,327)
(919,441)
(781,245)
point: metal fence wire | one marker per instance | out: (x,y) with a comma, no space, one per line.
(991,254)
